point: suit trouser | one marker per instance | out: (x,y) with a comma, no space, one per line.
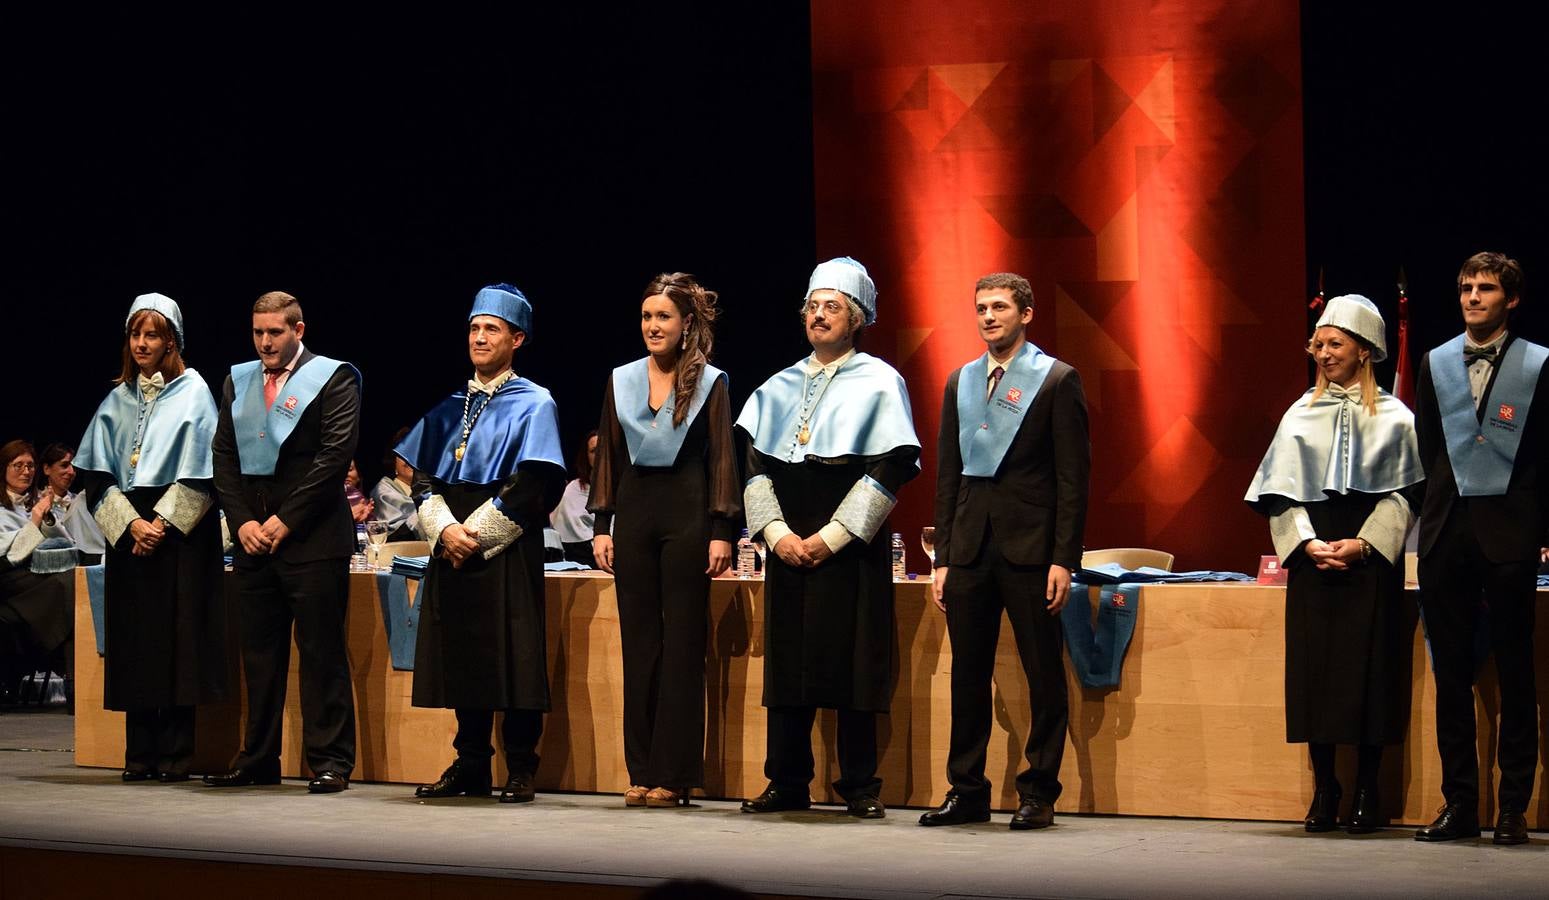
(975,595)
(519,733)
(314,597)
(662,596)
(1456,580)
(159,740)
(788,762)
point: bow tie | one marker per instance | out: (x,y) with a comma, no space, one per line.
(152,385)
(1489,354)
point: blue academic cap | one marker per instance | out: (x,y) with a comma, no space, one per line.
(849,276)
(504,301)
(167,307)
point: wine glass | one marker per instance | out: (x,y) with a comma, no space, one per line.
(928,544)
(376,533)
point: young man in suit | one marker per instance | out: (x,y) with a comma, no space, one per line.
(1011,490)
(1482,524)
(289,422)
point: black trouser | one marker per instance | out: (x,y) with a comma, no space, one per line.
(663,593)
(519,733)
(788,762)
(1455,581)
(315,597)
(975,595)
(159,740)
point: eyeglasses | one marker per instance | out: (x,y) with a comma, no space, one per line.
(20,466)
(832,307)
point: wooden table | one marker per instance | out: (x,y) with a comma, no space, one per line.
(1196,728)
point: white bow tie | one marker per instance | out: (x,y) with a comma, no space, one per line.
(152,386)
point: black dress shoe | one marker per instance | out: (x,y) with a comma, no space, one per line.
(1365,812)
(959,810)
(1511,828)
(1455,823)
(1033,812)
(171,777)
(1323,814)
(130,776)
(865,807)
(459,780)
(242,776)
(329,783)
(519,789)
(775,799)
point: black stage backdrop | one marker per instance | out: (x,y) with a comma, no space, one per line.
(385,172)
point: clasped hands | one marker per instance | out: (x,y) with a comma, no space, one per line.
(802,553)
(147,534)
(1335,555)
(261,540)
(459,543)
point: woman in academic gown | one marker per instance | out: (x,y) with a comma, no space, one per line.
(37,614)
(73,521)
(667,501)
(147,472)
(1334,485)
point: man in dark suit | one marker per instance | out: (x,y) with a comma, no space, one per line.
(1011,489)
(1482,523)
(289,422)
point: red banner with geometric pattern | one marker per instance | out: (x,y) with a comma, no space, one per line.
(1141,164)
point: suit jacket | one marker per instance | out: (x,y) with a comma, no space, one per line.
(306,490)
(1510,527)
(1035,505)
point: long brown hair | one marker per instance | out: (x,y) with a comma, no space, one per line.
(171,362)
(9,451)
(691,299)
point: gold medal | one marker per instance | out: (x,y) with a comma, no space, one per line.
(804,436)
(134,458)
(459,451)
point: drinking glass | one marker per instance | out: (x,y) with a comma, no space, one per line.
(928,544)
(376,534)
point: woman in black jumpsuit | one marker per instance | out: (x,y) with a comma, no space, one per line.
(667,499)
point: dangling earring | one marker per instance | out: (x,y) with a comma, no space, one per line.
(683,344)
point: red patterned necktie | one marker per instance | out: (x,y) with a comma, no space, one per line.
(995,380)
(271,386)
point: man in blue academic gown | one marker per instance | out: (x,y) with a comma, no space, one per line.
(489,468)
(289,423)
(1483,521)
(1011,492)
(829,441)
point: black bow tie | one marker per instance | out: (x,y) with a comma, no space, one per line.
(1472,355)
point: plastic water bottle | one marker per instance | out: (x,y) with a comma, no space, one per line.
(900,564)
(358,561)
(746,556)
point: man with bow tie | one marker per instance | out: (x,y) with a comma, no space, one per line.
(1483,521)
(489,467)
(289,423)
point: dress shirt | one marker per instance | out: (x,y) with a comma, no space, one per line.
(1479,371)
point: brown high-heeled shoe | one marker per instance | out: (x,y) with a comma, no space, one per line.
(666,798)
(636,795)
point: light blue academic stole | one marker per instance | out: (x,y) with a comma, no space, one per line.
(261,432)
(652,439)
(987,425)
(1483,448)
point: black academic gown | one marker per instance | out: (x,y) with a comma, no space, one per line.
(829,632)
(481,641)
(165,613)
(1348,636)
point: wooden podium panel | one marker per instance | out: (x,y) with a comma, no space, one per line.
(1196,728)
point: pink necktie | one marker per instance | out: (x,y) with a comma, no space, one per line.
(271,386)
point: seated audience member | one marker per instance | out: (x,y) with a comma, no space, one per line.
(360,505)
(36,614)
(72,519)
(570,518)
(393,496)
